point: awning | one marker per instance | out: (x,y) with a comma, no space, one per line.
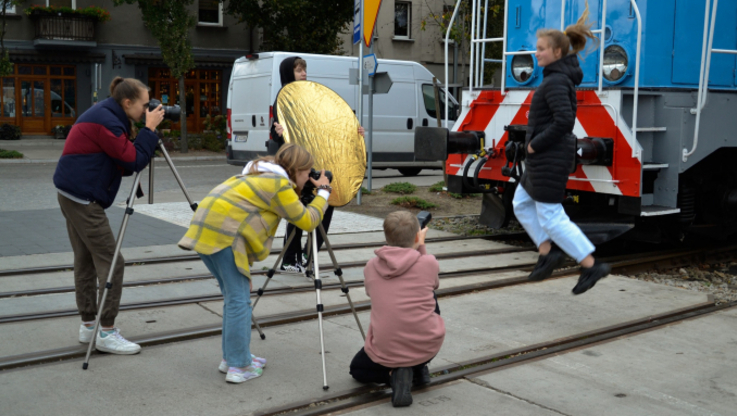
(24,56)
(200,61)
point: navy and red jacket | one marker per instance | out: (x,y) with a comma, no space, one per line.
(97,154)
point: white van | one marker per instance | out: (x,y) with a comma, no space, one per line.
(255,82)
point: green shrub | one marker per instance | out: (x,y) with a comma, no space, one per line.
(437,187)
(365,191)
(213,142)
(413,202)
(9,132)
(400,188)
(10,154)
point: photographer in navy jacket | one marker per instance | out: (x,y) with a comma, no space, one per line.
(97,154)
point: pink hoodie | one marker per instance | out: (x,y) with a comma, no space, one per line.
(405,330)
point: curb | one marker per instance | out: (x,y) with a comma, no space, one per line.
(158,159)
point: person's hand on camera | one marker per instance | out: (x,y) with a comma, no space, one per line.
(530,150)
(322,181)
(154,118)
(278,128)
(420,239)
(361,131)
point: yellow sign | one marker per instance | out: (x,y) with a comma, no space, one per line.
(370,14)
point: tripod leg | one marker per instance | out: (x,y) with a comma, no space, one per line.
(309,271)
(320,307)
(108,284)
(269,275)
(192,205)
(339,273)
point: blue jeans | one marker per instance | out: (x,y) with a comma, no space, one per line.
(549,222)
(236,309)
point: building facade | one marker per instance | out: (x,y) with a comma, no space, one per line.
(63,64)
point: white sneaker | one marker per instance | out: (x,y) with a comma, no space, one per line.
(236,375)
(255,361)
(85,334)
(292,268)
(114,343)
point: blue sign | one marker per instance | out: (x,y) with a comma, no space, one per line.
(356,21)
(370,64)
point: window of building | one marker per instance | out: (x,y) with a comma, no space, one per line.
(9,8)
(8,97)
(402,18)
(203,92)
(62,3)
(210,13)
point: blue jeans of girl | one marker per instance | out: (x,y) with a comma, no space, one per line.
(236,309)
(549,222)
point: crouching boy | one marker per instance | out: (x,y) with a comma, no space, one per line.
(406,330)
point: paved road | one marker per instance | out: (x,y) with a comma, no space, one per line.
(30,186)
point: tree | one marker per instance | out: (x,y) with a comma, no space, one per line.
(6,67)
(460,32)
(169,22)
(310,26)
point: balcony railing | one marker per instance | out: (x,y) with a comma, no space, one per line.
(65,28)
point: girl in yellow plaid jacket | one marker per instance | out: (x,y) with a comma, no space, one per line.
(234,226)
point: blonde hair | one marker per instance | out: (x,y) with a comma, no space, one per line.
(574,38)
(126,89)
(400,229)
(293,158)
(299,62)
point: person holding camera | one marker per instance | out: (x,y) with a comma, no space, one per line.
(97,154)
(406,330)
(234,226)
(293,69)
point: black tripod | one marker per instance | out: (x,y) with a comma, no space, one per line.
(314,270)
(119,240)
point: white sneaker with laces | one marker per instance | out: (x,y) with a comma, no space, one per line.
(236,375)
(114,343)
(255,361)
(85,334)
(293,268)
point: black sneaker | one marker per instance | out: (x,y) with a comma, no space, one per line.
(589,277)
(421,377)
(546,264)
(401,382)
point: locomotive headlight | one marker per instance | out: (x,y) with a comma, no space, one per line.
(522,67)
(615,63)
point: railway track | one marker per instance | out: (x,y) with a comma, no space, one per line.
(620,264)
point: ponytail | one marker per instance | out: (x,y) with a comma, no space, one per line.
(126,89)
(573,39)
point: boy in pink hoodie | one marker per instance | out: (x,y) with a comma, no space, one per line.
(406,330)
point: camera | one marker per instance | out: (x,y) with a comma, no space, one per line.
(308,190)
(171,112)
(424,218)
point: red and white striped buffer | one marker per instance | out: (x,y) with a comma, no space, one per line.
(490,111)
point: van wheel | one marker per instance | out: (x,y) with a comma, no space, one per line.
(410,171)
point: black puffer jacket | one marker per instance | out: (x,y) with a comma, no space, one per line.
(550,131)
(286,74)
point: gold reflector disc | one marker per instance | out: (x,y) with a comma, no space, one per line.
(318,119)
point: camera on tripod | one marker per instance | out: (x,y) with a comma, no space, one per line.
(171,112)
(308,190)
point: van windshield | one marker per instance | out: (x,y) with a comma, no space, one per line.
(428,94)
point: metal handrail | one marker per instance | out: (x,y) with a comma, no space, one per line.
(635,99)
(447,39)
(706,52)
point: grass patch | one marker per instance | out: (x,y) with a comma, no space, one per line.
(413,202)
(461,196)
(10,154)
(400,188)
(365,191)
(437,187)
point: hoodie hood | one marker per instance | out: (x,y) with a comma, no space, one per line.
(394,261)
(568,66)
(266,167)
(286,70)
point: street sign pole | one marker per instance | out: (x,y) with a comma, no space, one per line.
(360,87)
(371,120)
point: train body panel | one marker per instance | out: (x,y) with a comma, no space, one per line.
(633,161)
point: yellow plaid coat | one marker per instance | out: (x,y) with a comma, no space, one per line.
(243,213)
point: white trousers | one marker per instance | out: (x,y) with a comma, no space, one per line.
(549,222)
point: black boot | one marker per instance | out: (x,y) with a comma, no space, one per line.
(421,376)
(401,381)
(546,264)
(589,277)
